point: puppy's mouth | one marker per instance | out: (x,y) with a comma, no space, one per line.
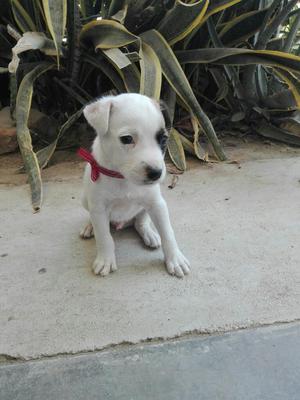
(145,182)
(148,183)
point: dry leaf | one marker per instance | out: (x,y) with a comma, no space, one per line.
(175,179)
(30,41)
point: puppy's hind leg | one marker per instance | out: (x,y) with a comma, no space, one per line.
(142,224)
(87,232)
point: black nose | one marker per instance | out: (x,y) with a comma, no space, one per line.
(153,173)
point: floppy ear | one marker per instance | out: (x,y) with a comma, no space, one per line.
(166,114)
(97,114)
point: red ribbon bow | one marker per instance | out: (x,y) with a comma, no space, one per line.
(96,169)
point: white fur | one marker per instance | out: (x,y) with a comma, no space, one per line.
(133,200)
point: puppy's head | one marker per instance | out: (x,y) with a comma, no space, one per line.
(133,134)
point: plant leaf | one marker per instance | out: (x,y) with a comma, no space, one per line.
(117,57)
(292,82)
(291,125)
(22,17)
(219,5)
(13,89)
(150,84)
(115,6)
(199,151)
(229,70)
(46,153)
(72,92)
(238,116)
(181,19)
(292,35)
(120,15)
(273,132)
(169,99)
(85,8)
(222,91)
(106,34)
(213,8)
(176,150)
(275,44)
(118,10)
(242,27)
(23,104)
(106,67)
(129,73)
(177,79)
(283,100)
(73,30)
(187,145)
(56,17)
(131,78)
(232,56)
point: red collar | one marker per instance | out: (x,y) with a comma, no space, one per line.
(96,169)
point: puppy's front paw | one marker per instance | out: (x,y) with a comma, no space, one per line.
(104,265)
(177,264)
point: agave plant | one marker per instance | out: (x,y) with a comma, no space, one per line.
(222,65)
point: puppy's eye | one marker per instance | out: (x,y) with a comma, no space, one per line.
(126,139)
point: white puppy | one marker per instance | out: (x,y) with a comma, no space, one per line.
(131,140)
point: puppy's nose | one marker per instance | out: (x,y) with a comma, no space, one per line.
(153,174)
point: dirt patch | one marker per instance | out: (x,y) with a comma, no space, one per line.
(65,165)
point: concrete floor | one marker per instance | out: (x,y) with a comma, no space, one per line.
(256,364)
(238,226)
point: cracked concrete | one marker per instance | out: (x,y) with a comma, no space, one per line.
(239,227)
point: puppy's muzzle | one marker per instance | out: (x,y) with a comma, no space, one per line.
(153,174)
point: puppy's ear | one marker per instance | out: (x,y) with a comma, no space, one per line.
(166,114)
(97,114)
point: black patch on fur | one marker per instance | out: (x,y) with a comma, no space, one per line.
(162,139)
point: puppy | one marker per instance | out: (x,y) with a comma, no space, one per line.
(121,180)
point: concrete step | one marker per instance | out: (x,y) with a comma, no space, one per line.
(255,364)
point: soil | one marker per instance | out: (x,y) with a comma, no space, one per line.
(65,165)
